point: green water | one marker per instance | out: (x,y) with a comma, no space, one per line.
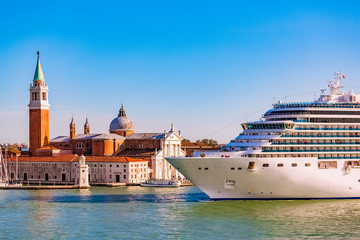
(182,213)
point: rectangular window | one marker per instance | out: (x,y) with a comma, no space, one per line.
(265,165)
(280,165)
(230,184)
(307,164)
(327,164)
(44,96)
(124,176)
(294,164)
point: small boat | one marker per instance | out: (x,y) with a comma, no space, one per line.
(160,183)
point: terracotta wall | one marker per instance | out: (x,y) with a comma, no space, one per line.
(38,128)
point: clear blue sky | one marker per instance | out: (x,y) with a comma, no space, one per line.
(200,64)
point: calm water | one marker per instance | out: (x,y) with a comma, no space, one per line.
(183,213)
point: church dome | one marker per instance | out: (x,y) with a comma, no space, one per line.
(121,123)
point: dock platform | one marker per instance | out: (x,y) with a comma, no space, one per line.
(38,187)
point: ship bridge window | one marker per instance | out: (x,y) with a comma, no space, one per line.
(327,164)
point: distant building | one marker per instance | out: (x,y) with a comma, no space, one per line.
(63,169)
(191,147)
(118,156)
(154,147)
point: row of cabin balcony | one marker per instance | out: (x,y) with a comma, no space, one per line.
(325,128)
(319,156)
(313,149)
(250,133)
(310,113)
(322,135)
(322,120)
(324,141)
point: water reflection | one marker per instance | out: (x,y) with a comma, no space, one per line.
(298,219)
(186,213)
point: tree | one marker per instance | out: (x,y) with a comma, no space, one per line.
(185,140)
(209,142)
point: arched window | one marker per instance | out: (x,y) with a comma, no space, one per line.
(80,145)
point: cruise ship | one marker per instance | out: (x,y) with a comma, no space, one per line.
(299,150)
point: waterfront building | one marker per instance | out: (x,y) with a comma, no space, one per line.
(123,141)
(155,147)
(137,156)
(64,168)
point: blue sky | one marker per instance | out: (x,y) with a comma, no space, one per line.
(204,65)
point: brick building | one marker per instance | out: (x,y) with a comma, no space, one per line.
(63,169)
(118,156)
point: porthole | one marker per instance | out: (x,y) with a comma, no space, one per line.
(307,164)
(239,168)
(294,164)
(265,165)
(206,168)
(280,165)
(232,168)
(199,168)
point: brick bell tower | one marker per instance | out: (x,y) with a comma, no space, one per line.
(38,110)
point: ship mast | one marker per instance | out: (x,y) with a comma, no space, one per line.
(4,180)
(335,85)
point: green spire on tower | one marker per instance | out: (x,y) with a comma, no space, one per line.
(38,76)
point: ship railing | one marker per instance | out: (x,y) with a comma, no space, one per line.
(326,143)
(315,150)
(320,136)
(325,129)
(316,104)
(339,157)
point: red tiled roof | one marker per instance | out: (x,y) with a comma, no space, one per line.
(138,152)
(112,159)
(194,144)
(59,158)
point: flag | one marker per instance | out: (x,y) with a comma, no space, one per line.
(343,76)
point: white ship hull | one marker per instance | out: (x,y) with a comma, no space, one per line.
(229,178)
